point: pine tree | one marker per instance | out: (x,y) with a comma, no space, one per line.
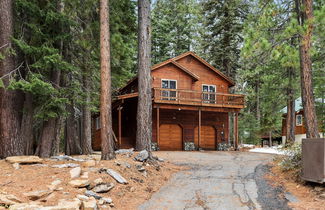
(144,110)
(10,101)
(105,95)
(176,26)
(222,39)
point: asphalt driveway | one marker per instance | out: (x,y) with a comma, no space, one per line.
(217,180)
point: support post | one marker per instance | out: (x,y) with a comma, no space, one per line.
(158,122)
(120,125)
(236,130)
(199,129)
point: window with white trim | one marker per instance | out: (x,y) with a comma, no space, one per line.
(298,120)
(168,84)
(209,94)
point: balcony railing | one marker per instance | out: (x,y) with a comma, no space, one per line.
(189,97)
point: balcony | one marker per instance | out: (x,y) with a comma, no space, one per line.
(197,98)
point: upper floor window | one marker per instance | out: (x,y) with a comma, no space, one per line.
(168,84)
(299,120)
(209,94)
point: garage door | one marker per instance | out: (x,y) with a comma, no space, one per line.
(170,137)
(208,137)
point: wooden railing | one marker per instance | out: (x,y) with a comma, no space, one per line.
(189,97)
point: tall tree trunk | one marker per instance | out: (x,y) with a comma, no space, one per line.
(304,9)
(270,138)
(144,113)
(10,139)
(105,82)
(86,119)
(57,139)
(47,138)
(27,125)
(290,118)
(71,134)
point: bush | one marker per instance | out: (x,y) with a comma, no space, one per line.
(291,161)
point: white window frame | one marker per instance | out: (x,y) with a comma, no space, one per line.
(215,95)
(297,122)
(168,97)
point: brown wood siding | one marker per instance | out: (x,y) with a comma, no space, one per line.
(171,137)
(208,137)
(207,76)
(188,120)
(170,71)
(300,129)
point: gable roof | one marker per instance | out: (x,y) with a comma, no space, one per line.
(187,71)
(228,79)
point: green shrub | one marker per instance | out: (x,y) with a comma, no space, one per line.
(291,161)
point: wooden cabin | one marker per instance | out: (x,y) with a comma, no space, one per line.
(300,129)
(191,107)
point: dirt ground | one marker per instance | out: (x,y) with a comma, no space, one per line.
(309,195)
(140,186)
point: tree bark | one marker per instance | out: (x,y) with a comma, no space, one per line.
(144,113)
(290,118)
(10,118)
(86,119)
(304,9)
(105,82)
(27,125)
(71,134)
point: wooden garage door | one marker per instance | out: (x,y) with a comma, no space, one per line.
(170,137)
(208,137)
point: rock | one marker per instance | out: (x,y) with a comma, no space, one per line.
(78,183)
(75,172)
(100,202)
(89,163)
(90,193)
(85,175)
(69,204)
(35,195)
(8,199)
(26,206)
(125,151)
(91,204)
(24,159)
(142,156)
(291,198)
(107,200)
(54,185)
(16,166)
(98,181)
(103,188)
(117,163)
(116,176)
(82,197)
(67,157)
(56,182)
(140,168)
(111,205)
(160,160)
(67,165)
